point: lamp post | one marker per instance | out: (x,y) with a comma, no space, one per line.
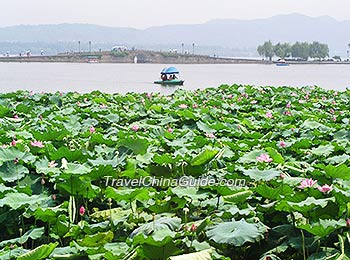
(89,46)
(193,48)
(182,48)
(79,45)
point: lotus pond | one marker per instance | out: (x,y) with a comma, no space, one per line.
(288,147)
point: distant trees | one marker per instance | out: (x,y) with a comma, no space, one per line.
(266,50)
(299,50)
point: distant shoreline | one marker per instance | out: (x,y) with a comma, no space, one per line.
(152,57)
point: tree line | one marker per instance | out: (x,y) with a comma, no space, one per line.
(299,50)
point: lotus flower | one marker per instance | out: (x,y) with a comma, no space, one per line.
(170,130)
(195,105)
(135,128)
(15,117)
(64,163)
(282,144)
(348,222)
(92,130)
(325,188)
(37,144)
(264,158)
(269,115)
(307,183)
(182,106)
(210,135)
(13,143)
(52,164)
(193,228)
(82,211)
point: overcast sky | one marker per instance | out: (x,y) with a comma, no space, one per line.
(146,13)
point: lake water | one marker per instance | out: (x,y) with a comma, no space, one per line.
(122,78)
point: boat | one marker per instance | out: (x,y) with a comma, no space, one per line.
(282,63)
(169,76)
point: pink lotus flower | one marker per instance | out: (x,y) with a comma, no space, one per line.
(282,144)
(264,158)
(282,175)
(229,96)
(333,102)
(334,118)
(135,128)
(288,113)
(193,228)
(195,105)
(54,197)
(13,143)
(348,222)
(37,144)
(253,102)
(324,98)
(103,106)
(210,135)
(331,111)
(288,105)
(269,115)
(52,164)
(307,183)
(92,130)
(149,95)
(301,101)
(182,106)
(239,99)
(293,94)
(15,117)
(42,181)
(15,161)
(325,188)
(40,117)
(82,211)
(170,130)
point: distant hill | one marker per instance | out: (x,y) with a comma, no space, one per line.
(224,37)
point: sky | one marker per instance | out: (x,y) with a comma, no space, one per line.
(146,13)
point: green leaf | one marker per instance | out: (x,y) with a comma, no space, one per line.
(251,156)
(323,150)
(323,227)
(304,206)
(276,156)
(40,252)
(238,197)
(237,233)
(17,200)
(202,255)
(158,224)
(10,172)
(341,171)
(204,157)
(138,146)
(96,240)
(265,175)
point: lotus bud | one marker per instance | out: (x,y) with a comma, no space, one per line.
(64,163)
(193,228)
(82,211)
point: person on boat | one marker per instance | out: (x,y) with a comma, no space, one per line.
(163,77)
